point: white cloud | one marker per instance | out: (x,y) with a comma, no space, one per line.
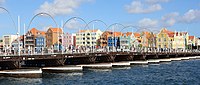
(60,7)
(74,24)
(191,16)
(147,22)
(156,1)
(169,19)
(139,7)
(2,1)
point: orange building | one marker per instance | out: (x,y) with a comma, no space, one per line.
(52,36)
(30,37)
(104,38)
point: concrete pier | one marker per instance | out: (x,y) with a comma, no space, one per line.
(62,69)
(97,66)
(25,73)
(120,64)
(153,61)
(138,62)
(185,58)
(165,60)
(175,59)
(194,57)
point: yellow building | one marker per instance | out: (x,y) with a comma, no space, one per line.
(164,39)
(88,37)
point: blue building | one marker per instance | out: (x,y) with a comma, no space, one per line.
(40,43)
(113,41)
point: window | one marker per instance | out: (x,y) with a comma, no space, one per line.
(165,46)
(159,46)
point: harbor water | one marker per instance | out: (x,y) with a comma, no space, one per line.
(185,72)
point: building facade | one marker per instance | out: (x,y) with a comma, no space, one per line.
(125,40)
(30,39)
(16,46)
(104,38)
(52,37)
(114,39)
(191,42)
(67,40)
(180,40)
(164,39)
(88,38)
(7,42)
(40,43)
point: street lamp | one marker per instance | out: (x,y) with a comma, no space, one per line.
(73,18)
(12,21)
(93,29)
(39,14)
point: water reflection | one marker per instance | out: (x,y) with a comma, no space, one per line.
(20,81)
(100,70)
(61,75)
(122,68)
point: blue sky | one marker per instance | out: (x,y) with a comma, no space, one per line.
(176,15)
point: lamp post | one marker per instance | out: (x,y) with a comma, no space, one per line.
(74,18)
(87,25)
(40,14)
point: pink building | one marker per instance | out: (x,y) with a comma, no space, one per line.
(67,40)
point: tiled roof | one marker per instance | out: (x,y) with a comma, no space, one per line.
(129,33)
(169,33)
(56,29)
(191,37)
(136,34)
(117,34)
(36,32)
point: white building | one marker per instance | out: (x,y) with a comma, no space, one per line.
(7,41)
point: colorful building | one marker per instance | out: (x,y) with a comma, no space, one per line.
(40,43)
(52,37)
(180,40)
(7,42)
(125,40)
(67,40)
(191,42)
(104,38)
(114,39)
(1,45)
(164,39)
(136,40)
(30,38)
(17,45)
(88,38)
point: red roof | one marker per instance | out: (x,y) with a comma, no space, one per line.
(35,32)
(191,37)
(56,29)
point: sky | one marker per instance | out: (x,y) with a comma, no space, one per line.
(175,15)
